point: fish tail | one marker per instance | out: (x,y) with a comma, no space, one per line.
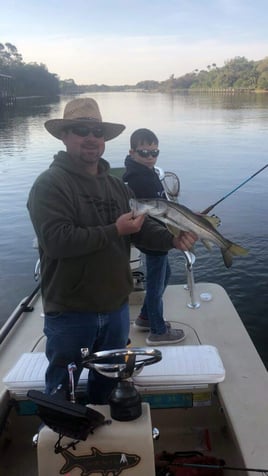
(232,250)
(70,461)
(227,257)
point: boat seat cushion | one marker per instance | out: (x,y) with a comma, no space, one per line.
(180,367)
(29,373)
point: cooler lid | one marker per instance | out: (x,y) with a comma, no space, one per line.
(183,365)
(29,373)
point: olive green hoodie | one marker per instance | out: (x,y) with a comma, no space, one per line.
(84,262)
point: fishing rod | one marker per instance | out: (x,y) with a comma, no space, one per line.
(24,307)
(207,210)
(219,466)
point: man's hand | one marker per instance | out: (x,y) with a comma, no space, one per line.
(185,241)
(127,224)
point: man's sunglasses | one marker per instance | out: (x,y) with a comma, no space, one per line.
(83,131)
(145,153)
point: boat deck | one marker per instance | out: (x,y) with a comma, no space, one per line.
(240,408)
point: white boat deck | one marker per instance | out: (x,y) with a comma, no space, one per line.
(243,393)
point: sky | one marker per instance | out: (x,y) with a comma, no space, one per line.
(118,42)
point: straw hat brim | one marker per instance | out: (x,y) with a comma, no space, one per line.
(56,126)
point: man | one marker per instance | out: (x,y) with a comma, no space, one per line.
(84,228)
(142,178)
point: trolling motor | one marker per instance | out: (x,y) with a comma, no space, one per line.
(122,364)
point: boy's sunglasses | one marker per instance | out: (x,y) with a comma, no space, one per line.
(83,131)
(145,153)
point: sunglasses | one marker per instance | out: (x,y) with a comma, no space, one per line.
(83,131)
(145,153)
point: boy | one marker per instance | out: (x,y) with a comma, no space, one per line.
(145,183)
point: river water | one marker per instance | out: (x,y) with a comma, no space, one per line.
(212,142)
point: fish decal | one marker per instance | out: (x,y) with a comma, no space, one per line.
(179,218)
(112,463)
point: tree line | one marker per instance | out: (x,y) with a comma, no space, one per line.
(33,79)
(237,73)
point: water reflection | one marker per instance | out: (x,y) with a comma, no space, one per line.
(20,124)
(222,101)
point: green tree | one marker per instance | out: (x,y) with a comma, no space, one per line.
(9,56)
(262,65)
(147,85)
(263,80)
(31,79)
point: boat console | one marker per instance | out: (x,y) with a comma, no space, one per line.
(119,437)
(99,438)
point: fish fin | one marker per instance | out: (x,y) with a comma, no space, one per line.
(237,250)
(173,230)
(232,250)
(227,257)
(207,244)
(213,220)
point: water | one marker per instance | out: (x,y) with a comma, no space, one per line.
(212,142)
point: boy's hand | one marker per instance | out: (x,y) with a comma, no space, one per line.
(185,241)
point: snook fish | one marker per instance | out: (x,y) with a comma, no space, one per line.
(179,218)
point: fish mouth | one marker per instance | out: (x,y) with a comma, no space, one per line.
(132,204)
(135,207)
(138,208)
(141,208)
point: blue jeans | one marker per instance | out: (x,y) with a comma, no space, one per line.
(68,332)
(157,275)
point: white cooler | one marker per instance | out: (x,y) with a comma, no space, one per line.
(180,377)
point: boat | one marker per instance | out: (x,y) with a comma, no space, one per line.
(200,405)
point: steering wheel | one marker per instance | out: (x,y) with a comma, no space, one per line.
(123,362)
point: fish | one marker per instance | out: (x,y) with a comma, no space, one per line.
(108,463)
(179,218)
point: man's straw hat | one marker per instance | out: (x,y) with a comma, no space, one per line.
(85,111)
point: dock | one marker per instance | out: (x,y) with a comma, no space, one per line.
(7,91)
